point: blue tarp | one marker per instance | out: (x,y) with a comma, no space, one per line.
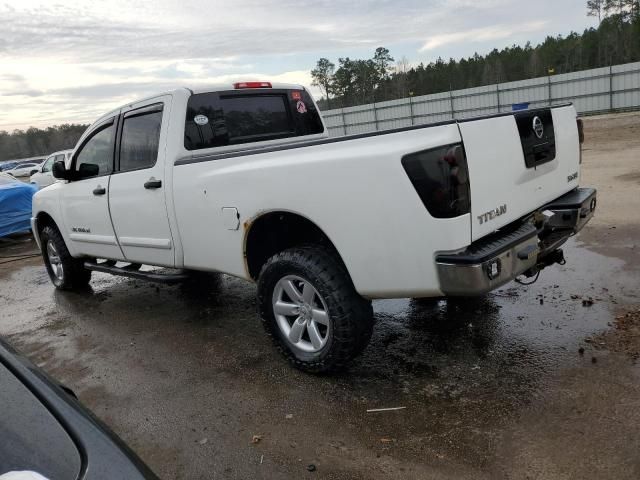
(15,207)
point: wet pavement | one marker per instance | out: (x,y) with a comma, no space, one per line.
(484,382)
(494,387)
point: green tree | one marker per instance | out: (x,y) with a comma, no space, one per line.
(595,8)
(322,76)
(35,141)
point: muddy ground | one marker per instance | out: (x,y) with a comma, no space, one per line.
(528,382)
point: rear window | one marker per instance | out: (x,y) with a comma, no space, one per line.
(236,117)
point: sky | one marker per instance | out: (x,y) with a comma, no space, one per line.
(70,61)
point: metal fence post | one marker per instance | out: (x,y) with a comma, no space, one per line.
(549,83)
(375,115)
(411,108)
(610,88)
(498,95)
(344,122)
(453,112)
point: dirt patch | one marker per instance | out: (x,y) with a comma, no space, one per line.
(610,164)
(624,337)
(603,129)
(630,177)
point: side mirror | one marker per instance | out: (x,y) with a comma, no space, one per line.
(32,172)
(59,170)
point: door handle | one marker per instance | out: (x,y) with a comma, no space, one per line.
(99,190)
(152,183)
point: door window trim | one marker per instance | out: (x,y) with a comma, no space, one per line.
(112,121)
(136,112)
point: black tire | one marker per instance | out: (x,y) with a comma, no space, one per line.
(350,315)
(74,275)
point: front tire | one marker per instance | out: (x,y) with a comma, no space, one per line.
(311,310)
(65,272)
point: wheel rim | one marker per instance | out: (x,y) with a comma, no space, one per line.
(54,261)
(301,314)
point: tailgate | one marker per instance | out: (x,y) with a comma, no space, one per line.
(519,162)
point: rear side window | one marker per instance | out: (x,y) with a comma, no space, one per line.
(140,139)
(237,117)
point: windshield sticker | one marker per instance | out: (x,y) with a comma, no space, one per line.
(201,119)
(301,107)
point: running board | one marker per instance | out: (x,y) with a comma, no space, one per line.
(127,271)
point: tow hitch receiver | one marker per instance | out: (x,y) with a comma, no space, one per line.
(556,256)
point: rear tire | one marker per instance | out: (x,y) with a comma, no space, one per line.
(311,310)
(66,272)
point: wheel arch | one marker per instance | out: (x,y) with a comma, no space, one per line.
(44,219)
(273,231)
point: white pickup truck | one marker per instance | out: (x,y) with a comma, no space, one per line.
(243,179)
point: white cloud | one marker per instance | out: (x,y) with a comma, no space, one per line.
(493,32)
(71,60)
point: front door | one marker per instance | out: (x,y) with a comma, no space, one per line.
(137,189)
(85,200)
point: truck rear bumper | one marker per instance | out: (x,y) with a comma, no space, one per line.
(502,256)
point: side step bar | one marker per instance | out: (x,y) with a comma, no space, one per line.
(133,272)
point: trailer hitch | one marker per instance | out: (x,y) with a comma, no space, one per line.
(556,256)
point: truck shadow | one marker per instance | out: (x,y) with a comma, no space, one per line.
(428,333)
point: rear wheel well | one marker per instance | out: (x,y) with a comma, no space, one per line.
(277,231)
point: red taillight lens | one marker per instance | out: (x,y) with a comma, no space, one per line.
(240,85)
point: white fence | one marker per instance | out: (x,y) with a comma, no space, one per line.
(591,91)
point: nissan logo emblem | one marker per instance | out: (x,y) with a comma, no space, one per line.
(538,127)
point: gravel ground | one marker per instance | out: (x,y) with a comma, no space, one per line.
(527,382)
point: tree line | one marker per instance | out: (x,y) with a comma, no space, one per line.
(615,40)
(35,141)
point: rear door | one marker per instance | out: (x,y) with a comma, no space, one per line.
(137,191)
(518,163)
(84,201)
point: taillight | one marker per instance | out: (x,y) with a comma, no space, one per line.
(441,179)
(241,85)
(580,130)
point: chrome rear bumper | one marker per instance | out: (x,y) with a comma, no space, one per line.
(501,257)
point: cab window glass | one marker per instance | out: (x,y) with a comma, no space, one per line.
(48,164)
(140,139)
(219,119)
(96,155)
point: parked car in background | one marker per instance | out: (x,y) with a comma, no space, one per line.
(4,166)
(25,169)
(44,177)
(16,199)
(6,178)
(46,430)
